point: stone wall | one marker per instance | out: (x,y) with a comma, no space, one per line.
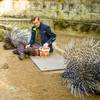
(63,9)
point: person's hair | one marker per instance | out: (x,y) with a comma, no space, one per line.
(34,18)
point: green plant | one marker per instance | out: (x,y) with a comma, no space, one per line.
(1,35)
(61,24)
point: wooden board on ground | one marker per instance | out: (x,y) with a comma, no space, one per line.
(53,62)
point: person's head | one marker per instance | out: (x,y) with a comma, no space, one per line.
(36,21)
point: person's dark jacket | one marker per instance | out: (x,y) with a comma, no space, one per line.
(47,36)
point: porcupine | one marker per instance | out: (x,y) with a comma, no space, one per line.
(13,37)
(82,67)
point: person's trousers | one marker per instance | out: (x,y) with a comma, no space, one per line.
(33,50)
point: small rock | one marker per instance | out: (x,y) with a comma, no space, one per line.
(5,66)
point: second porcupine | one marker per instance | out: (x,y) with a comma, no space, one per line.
(82,62)
(15,36)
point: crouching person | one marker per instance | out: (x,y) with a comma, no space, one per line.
(41,35)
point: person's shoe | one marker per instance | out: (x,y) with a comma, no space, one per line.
(22,56)
(15,52)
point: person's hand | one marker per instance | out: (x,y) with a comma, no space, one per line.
(45,45)
(27,46)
